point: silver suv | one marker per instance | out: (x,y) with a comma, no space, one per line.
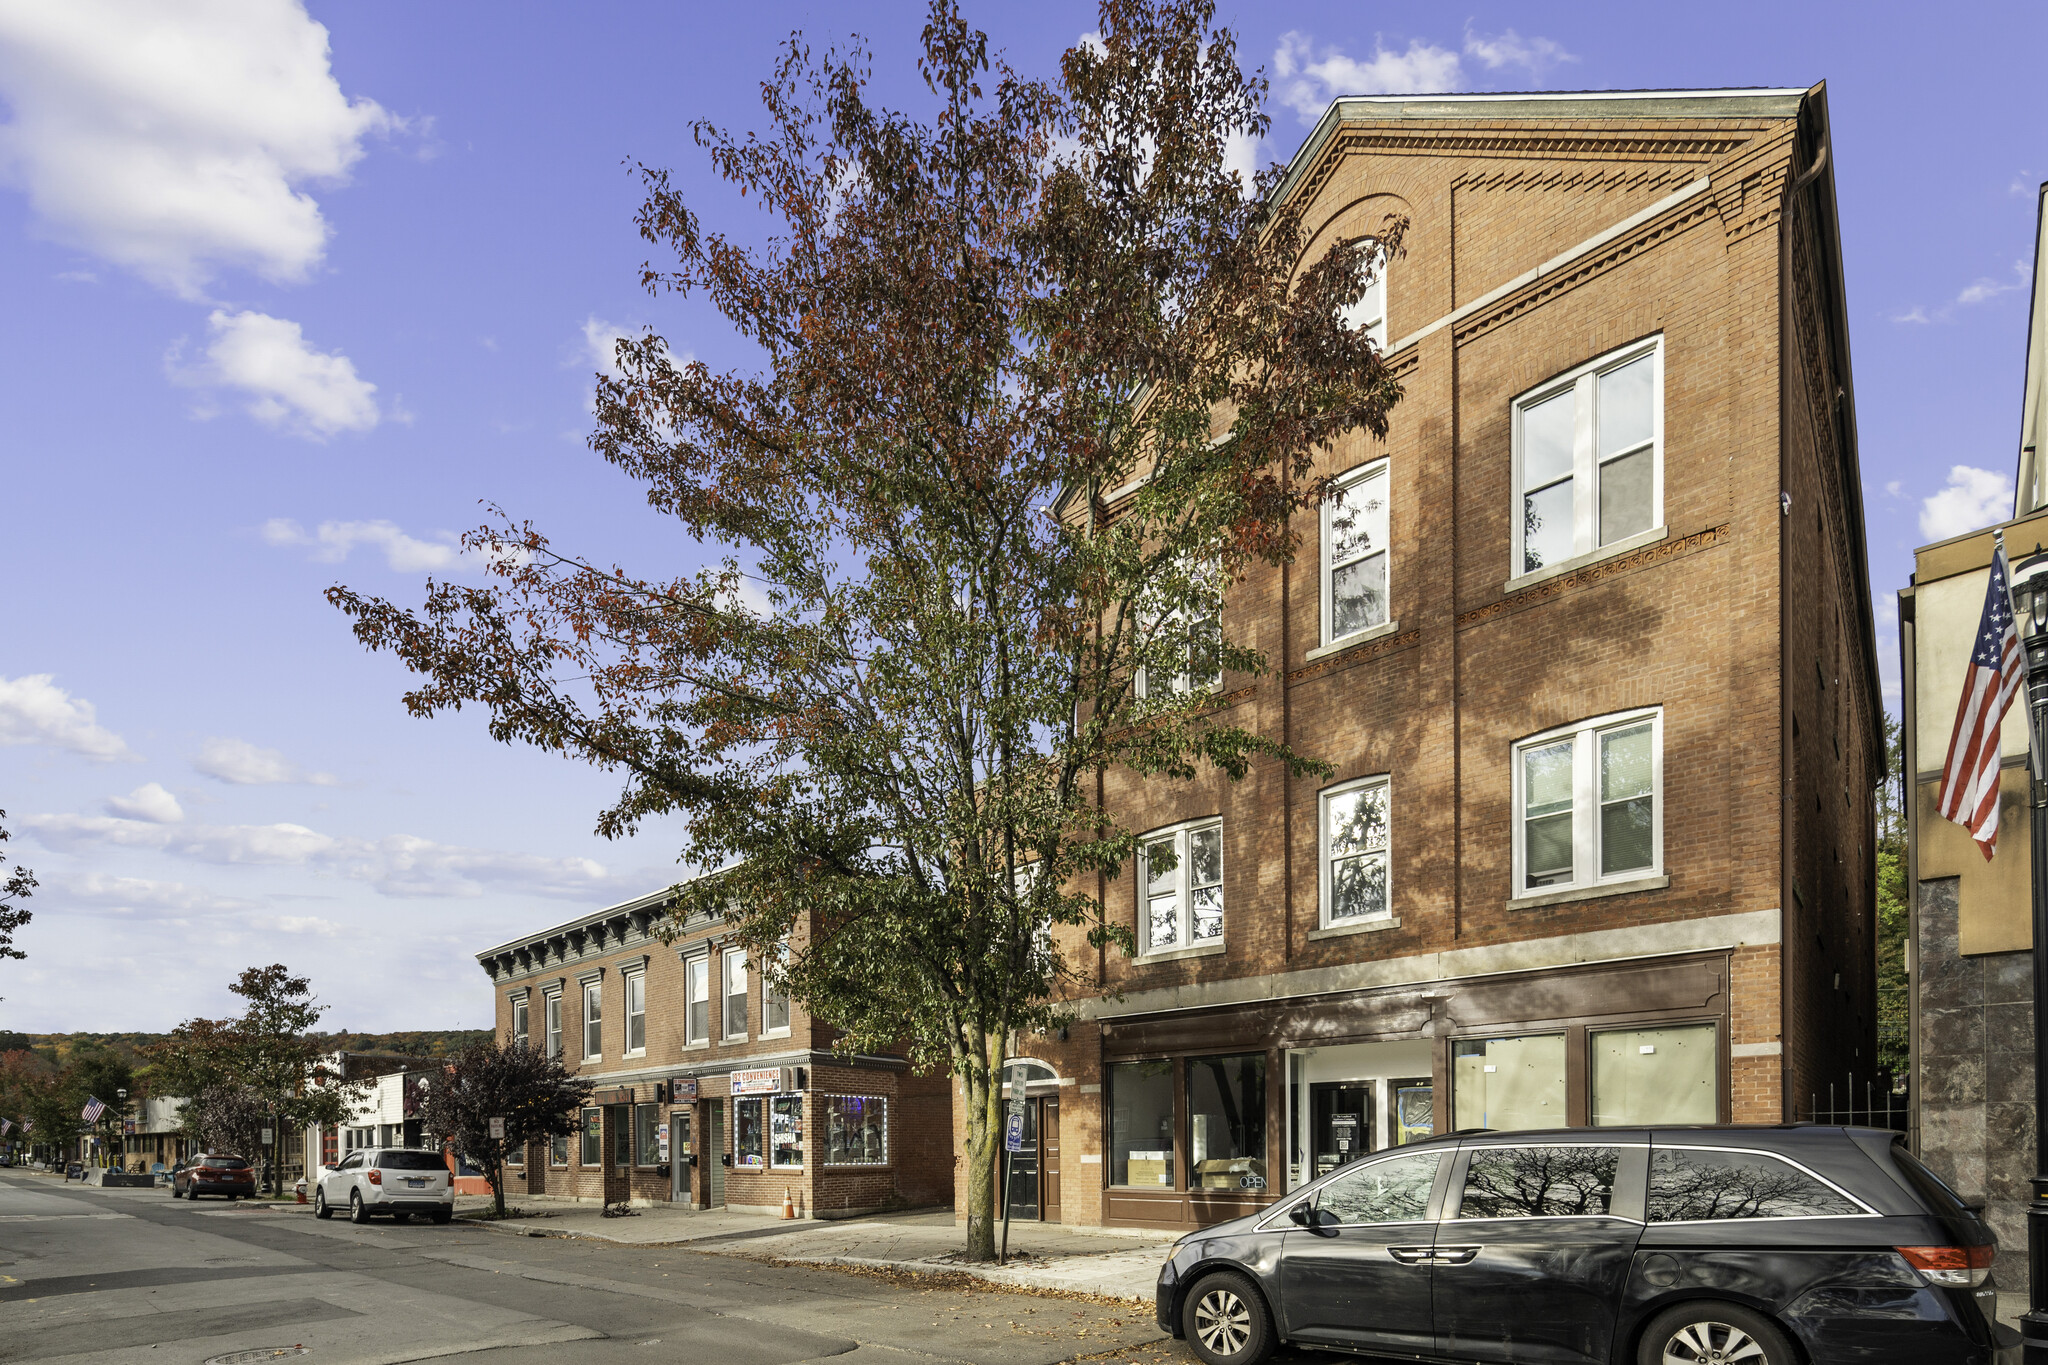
(395,1180)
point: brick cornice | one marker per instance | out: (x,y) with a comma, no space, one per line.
(1378,649)
(1649,555)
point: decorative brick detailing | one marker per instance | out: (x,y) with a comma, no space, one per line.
(1592,573)
(1378,649)
(1562,178)
(1560,146)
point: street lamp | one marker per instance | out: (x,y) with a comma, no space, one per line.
(2030,604)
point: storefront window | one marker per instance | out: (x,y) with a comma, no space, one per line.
(622,1135)
(593,1137)
(1508,1083)
(1141,1124)
(558,1150)
(786,1130)
(1227,1122)
(1656,1075)
(746,1133)
(647,1144)
(516,1156)
(856,1130)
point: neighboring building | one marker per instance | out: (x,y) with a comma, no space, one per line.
(712,1088)
(1972,973)
(389,1115)
(157,1138)
(1593,659)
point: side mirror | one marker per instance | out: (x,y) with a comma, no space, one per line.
(1300,1214)
(1325,1218)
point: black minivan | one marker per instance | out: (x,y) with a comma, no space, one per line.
(1653,1246)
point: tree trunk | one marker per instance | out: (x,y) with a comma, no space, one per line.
(984,1108)
(496,1172)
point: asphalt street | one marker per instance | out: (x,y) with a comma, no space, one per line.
(91,1275)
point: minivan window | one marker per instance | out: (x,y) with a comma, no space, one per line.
(224,1163)
(412,1161)
(1392,1191)
(1539,1182)
(1694,1184)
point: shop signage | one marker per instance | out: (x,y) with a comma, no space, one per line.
(763,1081)
(680,1090)
(622,1095)
(1344,1130)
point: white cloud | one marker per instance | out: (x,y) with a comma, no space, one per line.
(34,710)
(333,540)
(396,865)
(245,765)
(1915,314)
(601,344)
(1308,80)
(148,802)
(1973,499)
(297,924)
(1982,288)
(288,385)
(132,894)
(173,140)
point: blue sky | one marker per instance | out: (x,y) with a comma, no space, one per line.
(286,305)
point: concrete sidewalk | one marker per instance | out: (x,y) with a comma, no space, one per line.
(1110,1264)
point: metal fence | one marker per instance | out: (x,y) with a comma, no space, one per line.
(1879,1101)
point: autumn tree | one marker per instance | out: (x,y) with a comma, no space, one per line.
(883,711)
(536,1097)
(17,884)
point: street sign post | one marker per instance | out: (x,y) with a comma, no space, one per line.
(497,1128)
(1013,1143)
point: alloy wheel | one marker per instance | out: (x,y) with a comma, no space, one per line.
(1714,1343)
(1223,1321)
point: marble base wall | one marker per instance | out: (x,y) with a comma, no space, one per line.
(1973,1073)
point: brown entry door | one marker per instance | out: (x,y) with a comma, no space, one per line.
(1049,1159)
(618,1152)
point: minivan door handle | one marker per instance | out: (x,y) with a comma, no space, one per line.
(1410,1255)
(1456,1255)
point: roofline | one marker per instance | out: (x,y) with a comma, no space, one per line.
(650,901)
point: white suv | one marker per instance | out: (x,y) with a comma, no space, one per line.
(397,1181)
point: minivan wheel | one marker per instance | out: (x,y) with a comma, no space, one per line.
(1225,1321)
(321,1208)
(356,1212)
(1713,1334)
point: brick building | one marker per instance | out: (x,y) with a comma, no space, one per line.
(1588,641)
(712,1089)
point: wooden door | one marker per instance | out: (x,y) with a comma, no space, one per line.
(618,1137)
(1049,1159)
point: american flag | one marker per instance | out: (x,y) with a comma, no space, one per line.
(1969,777)
(28,1125)
(5,1125)
(93,1109)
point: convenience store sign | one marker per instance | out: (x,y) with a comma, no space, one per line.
(765,1081)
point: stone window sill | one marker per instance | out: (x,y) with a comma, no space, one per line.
(1363,637)
(1588,893)
(1371,926)
(1176,954)
(1565,566)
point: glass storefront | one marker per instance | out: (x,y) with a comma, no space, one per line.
(647,1148)
(786,1131)
(747,1133)
(1656,1075)
(1141,1124)
(856,1130)
(1227,1122)
(1507,1083)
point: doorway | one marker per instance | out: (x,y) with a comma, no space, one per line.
(1033,1173)
(681,1190)
(1340,1124)
(714,1154)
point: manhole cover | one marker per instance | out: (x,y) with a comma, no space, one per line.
(260,1353)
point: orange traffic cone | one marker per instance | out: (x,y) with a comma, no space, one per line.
(788,1208)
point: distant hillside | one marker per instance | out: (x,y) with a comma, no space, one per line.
(58,1050)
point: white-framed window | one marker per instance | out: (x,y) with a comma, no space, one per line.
(1589,803)
(519,1022)
(593,1020)
(552,1007)
(1355,553)
(735,972)
(1368,313)
(697,1000)
(1589,457)
(1354,819)
(636,1012)
(774,998)
(1201,623)
(1180,873)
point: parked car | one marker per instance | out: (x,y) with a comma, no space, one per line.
(215,1173)
(400,1181)
(1664,1246)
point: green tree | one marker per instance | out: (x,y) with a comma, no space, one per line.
(535,1096)
(1894,919)
(885,713)
(17,884)
(103,1074)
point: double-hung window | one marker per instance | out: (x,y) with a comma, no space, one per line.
(636,1012)
(519,1022)
(1354,835)
(1193,624)
(1588,803)
(1355,553)
(1182,873)
(774,996)
(735,995)
(553,1009)
(1368,313)
(1589,457)
(593,1020)
(697,1000)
